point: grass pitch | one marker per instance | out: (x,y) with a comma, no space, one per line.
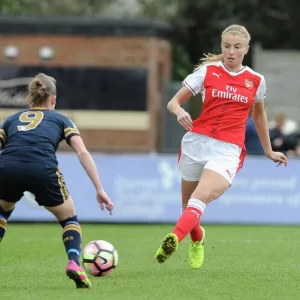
(241,263)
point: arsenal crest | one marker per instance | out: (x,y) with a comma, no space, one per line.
(248,83)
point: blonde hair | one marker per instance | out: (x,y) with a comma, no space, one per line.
(232,29)
(40,88)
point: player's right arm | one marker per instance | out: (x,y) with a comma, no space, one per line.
(192,85)
(72,136)
(89,165)
(174,106)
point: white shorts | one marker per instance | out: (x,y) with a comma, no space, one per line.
(200,151)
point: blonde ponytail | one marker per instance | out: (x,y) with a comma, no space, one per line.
(208,58)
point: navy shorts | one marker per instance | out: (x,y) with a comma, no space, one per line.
(45,182)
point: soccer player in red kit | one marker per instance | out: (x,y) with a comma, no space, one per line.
(213,150)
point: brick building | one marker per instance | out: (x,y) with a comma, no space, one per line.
(112,75)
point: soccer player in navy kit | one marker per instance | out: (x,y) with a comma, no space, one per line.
(28,162)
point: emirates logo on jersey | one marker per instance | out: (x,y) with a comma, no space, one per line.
(230,95)
(249,83)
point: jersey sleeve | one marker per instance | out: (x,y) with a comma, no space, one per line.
(195,81)
(261,91)
(3,136)
(70,129)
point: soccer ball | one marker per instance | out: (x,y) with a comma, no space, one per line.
(99,258)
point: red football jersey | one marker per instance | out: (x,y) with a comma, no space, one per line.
(227,99)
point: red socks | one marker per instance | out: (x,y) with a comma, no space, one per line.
(189,221)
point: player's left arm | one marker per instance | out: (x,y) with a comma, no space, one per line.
(262,127)
(3,136)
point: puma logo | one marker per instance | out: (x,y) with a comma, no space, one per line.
(217,75)
(198,215)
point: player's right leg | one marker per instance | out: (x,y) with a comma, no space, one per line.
(65,213)
(210,187)
(51,192)
(190,173)
(197,234)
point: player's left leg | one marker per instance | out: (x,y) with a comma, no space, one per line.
(11,191)
(6,209)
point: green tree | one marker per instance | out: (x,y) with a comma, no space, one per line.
(52,8)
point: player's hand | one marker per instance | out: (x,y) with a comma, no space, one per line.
(104,200)
(279,158)
(184,119)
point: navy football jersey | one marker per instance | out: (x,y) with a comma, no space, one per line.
(34,135)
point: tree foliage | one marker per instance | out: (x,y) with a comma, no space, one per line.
(197,24)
